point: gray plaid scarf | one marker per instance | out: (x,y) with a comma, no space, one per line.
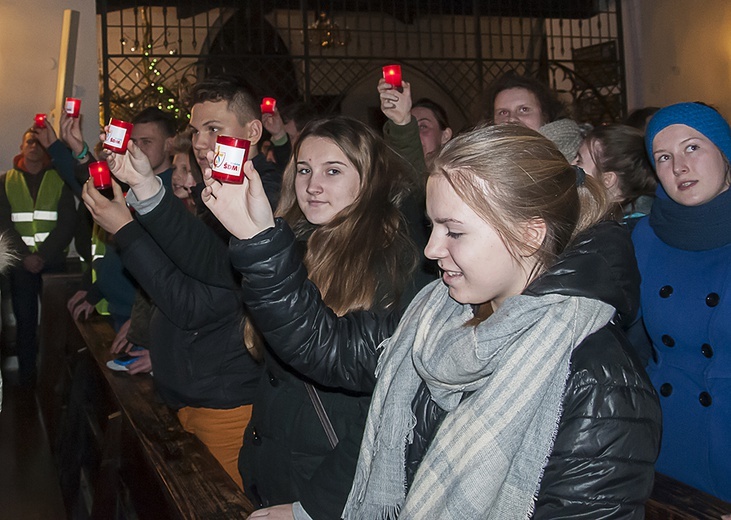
(488,455)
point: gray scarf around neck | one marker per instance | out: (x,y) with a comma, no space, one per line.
(487,458)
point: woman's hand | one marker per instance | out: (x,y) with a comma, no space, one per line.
(395,105)
(133,167)
(283,512)
(112,215)
(242,208)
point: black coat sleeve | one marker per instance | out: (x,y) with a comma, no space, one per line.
(189,243)
(603,459)
(287,308)
(188,303)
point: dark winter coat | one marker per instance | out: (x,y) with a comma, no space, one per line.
(602,465)
(286,455)
(197,347)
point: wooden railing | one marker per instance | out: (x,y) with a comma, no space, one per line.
(673,500)
(146,464)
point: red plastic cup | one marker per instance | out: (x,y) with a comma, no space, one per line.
(267,105)
(230,155)
(392,75)
(102,178)
(72,107)
(40,121)
(118,135)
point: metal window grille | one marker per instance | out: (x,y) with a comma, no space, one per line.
(330,53)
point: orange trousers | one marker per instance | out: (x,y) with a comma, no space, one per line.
(222,431)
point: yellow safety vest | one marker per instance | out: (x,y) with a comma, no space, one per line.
(34,221)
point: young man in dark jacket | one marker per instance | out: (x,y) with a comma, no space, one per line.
(201,366)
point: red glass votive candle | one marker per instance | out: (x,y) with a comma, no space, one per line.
(267,105)
(392,75)
(230,155)
(118,135)
(40,121)
(102,178)
(72,107)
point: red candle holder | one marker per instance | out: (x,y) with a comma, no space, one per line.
(102,178)
(267,105)
(72,107)
(118,135)
(230,155)
(40,121)
(392,75)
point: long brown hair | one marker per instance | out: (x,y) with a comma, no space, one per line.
(367,243)
(363,258)
(621,149)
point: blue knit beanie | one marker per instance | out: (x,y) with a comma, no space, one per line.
(700,117)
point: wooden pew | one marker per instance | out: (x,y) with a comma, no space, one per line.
(59,341)
(673,500)
(169,472)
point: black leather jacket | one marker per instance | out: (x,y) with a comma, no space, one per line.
(286,456)
(602,465)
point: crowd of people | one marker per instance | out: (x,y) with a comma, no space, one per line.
(522,319)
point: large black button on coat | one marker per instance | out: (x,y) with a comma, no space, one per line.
(705,399)
(707,350)
(712,299)
(666,291)
(668,341)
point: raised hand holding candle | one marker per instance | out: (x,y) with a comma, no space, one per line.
(267,105)
(392,75)
(230,155)
(102,178)
(72,107)
(118,136)
(40,121)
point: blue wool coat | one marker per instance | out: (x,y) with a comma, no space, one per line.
(686,307)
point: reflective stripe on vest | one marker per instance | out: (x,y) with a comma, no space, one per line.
(45,215)
(33,221)
(22,217)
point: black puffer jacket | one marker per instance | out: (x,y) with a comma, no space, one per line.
(286,456)
(603,459)
(602,465)
(196,344)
